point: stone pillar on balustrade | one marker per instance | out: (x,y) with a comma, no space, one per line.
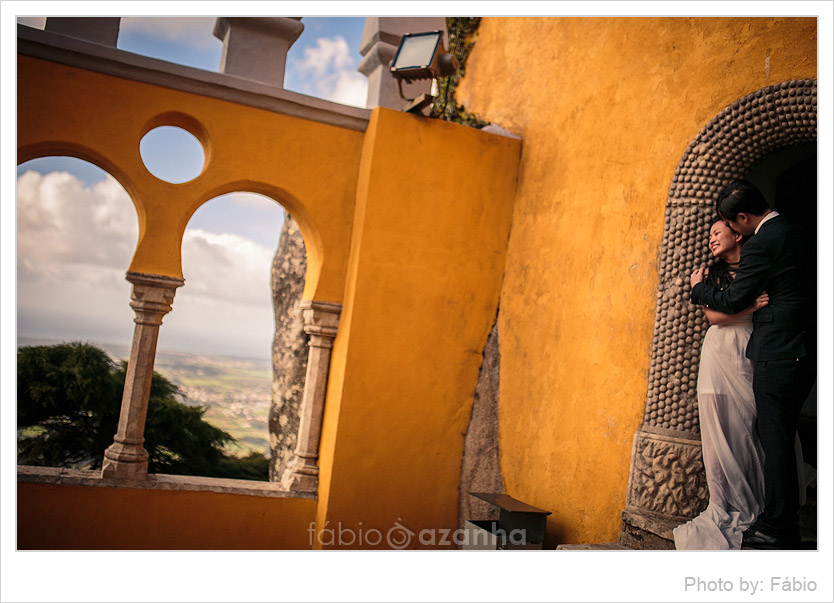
(151,299)
(100,30)
(380,39)
(256,48)
(321,321)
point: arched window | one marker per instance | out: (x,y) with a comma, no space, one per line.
(238,317)
(76,232)
(223,316)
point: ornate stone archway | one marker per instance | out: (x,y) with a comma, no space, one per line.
(667,484)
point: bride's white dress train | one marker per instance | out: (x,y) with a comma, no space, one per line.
(730,448)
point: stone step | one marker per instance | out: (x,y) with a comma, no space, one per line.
(599,546)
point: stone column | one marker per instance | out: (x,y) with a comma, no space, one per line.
(321,320)
(256,48)
(150,299)
(101,30)
(380,39)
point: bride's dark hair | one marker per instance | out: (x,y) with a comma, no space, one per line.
(719,275)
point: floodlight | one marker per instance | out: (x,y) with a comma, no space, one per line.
(421,56)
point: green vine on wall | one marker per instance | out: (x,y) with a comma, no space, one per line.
(462,32)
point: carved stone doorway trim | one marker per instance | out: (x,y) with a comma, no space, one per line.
(666,482)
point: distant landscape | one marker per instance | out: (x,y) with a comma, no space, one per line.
(235,391)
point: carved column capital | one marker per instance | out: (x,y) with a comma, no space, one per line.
(152,296)
(321,321)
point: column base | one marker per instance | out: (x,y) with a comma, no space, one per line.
(128,471)
(125,461)
(300,476)
(667,479)
(644,532)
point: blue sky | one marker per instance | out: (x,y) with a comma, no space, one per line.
(229,241)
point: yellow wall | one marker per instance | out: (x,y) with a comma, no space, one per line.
(606,108)
(308,167)
(87,517)
(434,203)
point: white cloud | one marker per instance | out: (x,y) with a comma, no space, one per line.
(225,266)
(328,71)
(66,229)
(226,303)
(328,55)
(75,243)
(251,200)
(190,31)
(350,89)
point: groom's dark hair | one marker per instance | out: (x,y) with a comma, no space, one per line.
(740,196)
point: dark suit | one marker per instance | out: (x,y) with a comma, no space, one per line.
(778,259)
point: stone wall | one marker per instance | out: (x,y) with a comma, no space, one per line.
(479,469)
(289,347)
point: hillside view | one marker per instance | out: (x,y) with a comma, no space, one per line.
(235,391)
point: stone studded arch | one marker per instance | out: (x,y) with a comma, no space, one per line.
(667,482)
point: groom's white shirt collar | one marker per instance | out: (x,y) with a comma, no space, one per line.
(772,214)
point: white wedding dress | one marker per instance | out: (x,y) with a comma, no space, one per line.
(730,447)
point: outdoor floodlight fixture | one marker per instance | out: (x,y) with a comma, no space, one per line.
(421,56)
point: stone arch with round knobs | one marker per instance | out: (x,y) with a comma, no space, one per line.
(667,482)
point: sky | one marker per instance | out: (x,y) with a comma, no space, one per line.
(77,228)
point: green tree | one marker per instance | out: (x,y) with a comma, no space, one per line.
(252,466)
(68,401)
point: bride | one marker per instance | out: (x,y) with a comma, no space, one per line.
(727,409)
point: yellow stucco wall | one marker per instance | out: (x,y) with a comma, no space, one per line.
(308,167)
(87,517)
(434,203)
(606,108)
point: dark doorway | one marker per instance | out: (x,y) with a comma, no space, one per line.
(788,180)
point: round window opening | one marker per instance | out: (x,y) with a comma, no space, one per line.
(172,154)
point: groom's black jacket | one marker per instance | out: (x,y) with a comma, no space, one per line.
(779,259)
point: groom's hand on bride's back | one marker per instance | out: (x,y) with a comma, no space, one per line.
(761,301)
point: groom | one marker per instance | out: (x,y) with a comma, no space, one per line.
(778,259)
